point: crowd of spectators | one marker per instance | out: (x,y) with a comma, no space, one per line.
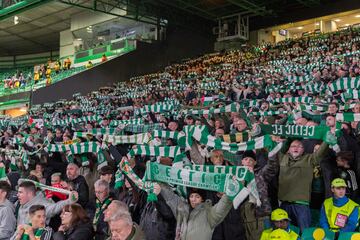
(304,177)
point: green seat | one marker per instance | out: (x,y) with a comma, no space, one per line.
(295,229)
(317,234)
(349,236)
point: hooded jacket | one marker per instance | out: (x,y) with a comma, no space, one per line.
(200,222)
(22,211)
(7,220)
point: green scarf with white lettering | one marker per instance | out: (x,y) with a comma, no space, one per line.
(218,182)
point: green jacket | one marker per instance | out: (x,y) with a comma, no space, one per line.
(136,234)
(295,176)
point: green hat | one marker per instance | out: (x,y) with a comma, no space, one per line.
(338,182)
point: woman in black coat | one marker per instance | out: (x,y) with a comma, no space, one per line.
(75,224)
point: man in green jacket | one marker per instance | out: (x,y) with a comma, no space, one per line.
(295,178)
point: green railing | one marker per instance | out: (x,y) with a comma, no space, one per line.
(114,48)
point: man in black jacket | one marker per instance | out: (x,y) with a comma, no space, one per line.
(80,185)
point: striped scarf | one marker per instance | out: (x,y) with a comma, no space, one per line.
(348,117)
(79,148)
(114,123)
(141,138)
(236,137)
(125,168)
(155,108)
(200,133)
(293,100)
(267,113)
(345,83)
(233,107)
(154,151)
(96,131)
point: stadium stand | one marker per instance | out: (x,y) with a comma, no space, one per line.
(261,142)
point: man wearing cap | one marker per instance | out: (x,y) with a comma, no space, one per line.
(280,220)
(339,213)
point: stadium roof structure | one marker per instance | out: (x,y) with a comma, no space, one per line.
(38,29)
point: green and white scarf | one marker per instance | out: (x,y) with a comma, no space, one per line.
(100,208)
(141,138)
(267,113)
(241,173)
(233,107)
(125,168)
(78,148)
(218,182)
(296,131)
(200,133)
(125,122)
(345,83)
(293,100)
(164,151)
(348,117)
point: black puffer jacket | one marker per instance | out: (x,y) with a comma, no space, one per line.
(158,221)
(230,228)
(82,188)
(81,231)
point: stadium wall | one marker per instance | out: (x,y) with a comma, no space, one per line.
(147,58)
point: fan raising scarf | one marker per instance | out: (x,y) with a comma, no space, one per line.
(165,151)
(141,138)
(348,117)
(218,182)
(78,148)
(241,173)
(201,134)
(295,131)
(125,168)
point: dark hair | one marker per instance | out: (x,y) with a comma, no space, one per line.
(346,156)
(29,186)
(201,192)
(35,208)
(5,186)
(78,213)
(106,170)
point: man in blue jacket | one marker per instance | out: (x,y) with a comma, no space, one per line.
(339,213)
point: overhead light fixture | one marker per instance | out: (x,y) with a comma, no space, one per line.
(79,39)
(23,109)
(317,24)
(337,20)
(300,27)
(347,25)
(357,16)
(16,20)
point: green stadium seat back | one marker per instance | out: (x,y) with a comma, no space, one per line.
(295,229)
(349,236)
(317,234)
